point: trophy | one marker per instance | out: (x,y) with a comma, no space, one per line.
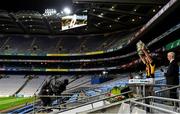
(140,45)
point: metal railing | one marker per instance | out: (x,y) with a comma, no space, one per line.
(93,99)
(166,92)
(142,87)
(83,102)
(152,99)
(152,107)
(100,97)
(88,99)
(167,89)
(92,102)
(76,102)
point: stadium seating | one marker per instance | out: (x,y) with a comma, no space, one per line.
(41,43)
(68,44)
(99,88)
(8,86)
(79,82)
(106,43)
(12,42)
(107,86)
(32,86)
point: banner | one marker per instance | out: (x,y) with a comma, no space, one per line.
(93,53)
(173,45)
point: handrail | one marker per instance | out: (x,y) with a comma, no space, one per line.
(165,85)
(158,91)
(69,96)
(86,98)
(78,101)
(143,85)
(154,107)
(154,85)
(65,109)
(162,98)
(94,101)
(52,96)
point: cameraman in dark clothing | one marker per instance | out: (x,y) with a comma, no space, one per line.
(52,88)
(46,90)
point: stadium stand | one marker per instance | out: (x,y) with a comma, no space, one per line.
(38,44)
(10,85)
(79,81)
(34,43)
(32,86)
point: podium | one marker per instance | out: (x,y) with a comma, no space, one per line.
(139,85)
(147,81)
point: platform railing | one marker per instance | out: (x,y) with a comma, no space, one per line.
(163,110)
(83,102)
(141,103)
(95,101)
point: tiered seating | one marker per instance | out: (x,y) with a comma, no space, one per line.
(70,44)
(8,86)
(100,88)
(121,42)
(32,86)
(79,82)
(104,44)
(41,43)
(93,42)
(114,39)
(12,43)
(53,44)
(109,85)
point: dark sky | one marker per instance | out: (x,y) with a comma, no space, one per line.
(37,5)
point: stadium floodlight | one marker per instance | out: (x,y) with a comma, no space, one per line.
(104,73)
(67,10)
(49,12)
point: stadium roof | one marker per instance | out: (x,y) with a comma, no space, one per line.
(37,5)
(121,15)
(103,16)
